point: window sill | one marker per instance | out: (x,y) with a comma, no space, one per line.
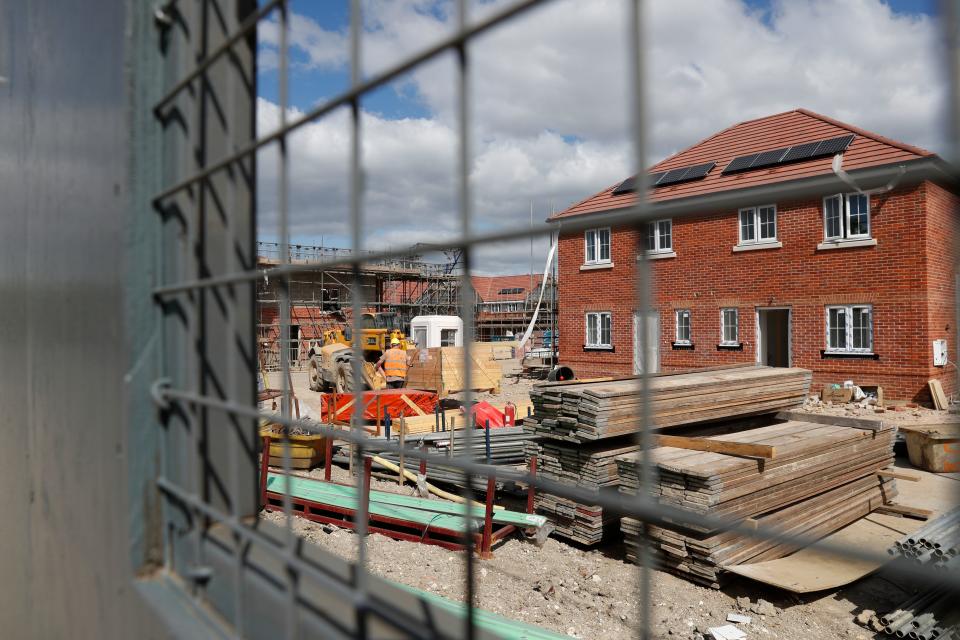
(596,265)
(682,346)
(757,246)
(730,346)
(658,255)
(846,244)
(847,355)
(588,347)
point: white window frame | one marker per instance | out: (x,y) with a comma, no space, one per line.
(653,230)
(754,213)
(598,343)
(845,234)
(848,329)
(723,326)
(677,315)
(596,244)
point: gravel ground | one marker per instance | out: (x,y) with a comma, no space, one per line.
(592,593)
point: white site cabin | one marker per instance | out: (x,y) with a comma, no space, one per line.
(437,331)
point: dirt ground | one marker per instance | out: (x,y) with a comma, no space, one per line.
(592,593)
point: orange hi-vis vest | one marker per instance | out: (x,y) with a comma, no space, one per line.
(395,363)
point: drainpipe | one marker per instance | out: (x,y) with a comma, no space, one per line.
(847,179)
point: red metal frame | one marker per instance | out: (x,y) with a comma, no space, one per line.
(391,527)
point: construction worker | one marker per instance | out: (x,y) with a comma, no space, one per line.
(393,363)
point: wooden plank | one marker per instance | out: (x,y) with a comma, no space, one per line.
(814,569)
(345,407)
(899,475)
(718,446)
(839,421)
(904,510)
(939,397)
(413,405)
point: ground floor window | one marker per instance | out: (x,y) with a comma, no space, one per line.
(850,329)
(683,326)
(729,326)
(598,329)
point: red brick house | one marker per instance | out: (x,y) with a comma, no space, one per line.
(792,239)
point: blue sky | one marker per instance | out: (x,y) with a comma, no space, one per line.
(549,102)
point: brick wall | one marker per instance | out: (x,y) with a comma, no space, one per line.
(941,262)
(707,274)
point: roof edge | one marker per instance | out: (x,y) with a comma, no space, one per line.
(925,168)
(909,148)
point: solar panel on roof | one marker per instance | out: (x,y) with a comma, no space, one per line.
(663,178)
(795,153)
(833,145)
(740,163)
(626,186)
(800,151)
(768,158)
(699,170)
(673,176)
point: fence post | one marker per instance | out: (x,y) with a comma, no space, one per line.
(328,458)
(530,488)
(488,519)
(486,437)
(264,465)
(367,465)
(387,422)
(402,445)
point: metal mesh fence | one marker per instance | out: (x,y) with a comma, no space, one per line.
(208,387)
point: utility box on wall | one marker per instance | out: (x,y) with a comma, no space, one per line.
(939,353)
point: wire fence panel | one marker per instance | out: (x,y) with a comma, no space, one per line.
(258,580)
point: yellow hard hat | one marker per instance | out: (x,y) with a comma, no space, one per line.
(394,342)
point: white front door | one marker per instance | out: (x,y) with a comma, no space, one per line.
(648,362)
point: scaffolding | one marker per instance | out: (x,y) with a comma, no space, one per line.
(322,299)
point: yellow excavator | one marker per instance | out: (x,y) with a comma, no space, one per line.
(331,357)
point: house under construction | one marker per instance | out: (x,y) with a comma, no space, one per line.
(322,299)
(411,286)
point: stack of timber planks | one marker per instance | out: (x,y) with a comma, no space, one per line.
(597,410)
(820,479)
(442,369)
(591,465)
(585,426)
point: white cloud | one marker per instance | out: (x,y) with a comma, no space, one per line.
(550,98)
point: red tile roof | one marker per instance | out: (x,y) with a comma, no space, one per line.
(488,288)
(770,132)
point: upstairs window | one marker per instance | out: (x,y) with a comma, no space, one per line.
(598,329)
(850,329)
(846,217)
(758,224)
(597,246)
(510,291)
(729,326)
(658,236)
(683,326)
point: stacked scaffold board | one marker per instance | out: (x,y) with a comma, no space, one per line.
(597,410)
(590,465)
(584,427)
(819,478)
